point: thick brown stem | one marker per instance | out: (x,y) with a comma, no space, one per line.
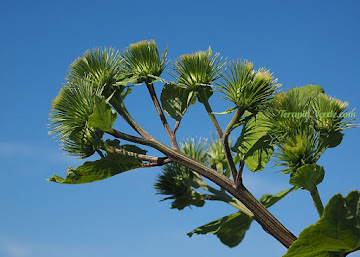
(269,223)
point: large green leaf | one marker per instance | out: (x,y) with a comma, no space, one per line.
(103,116)
(259,154)
(268,199)
(230,229)
(337,233)
(308,176)
(175,100)
(254,144)
(97,170)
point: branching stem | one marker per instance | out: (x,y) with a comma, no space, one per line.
(142,157)
(269,223)
(221,195)
(225,143)
(224,137)
(209,111)
(121,109)
(177,124)
(160,111)
(238,180)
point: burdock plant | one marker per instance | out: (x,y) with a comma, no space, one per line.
(197,171)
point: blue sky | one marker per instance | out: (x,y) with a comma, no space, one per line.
(303,42)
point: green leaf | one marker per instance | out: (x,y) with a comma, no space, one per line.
(308,176)
(233,231)
(230,229)
(337,233)
(211,227)
(133,148)
(103,116)
(254,144)
(259,154)
(191,197)
(204,93)
(331,140)
(176,100)
(121,93)
(268,200)
(97,170)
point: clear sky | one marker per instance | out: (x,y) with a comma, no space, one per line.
(302,42)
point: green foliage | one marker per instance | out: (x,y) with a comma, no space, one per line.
(291,112)
(254,144)
(103,116)
(204,93)
(337,233)
(268,199)
(298,125)
(199,69)
(217,159)
(116,143)
(308,176)
(69,117)
(97,170)
(248,89)
(100,67)
(298,149)
(305,122)
(230,229)
(142,61)
(179,182)
(176,100)
(195,149)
